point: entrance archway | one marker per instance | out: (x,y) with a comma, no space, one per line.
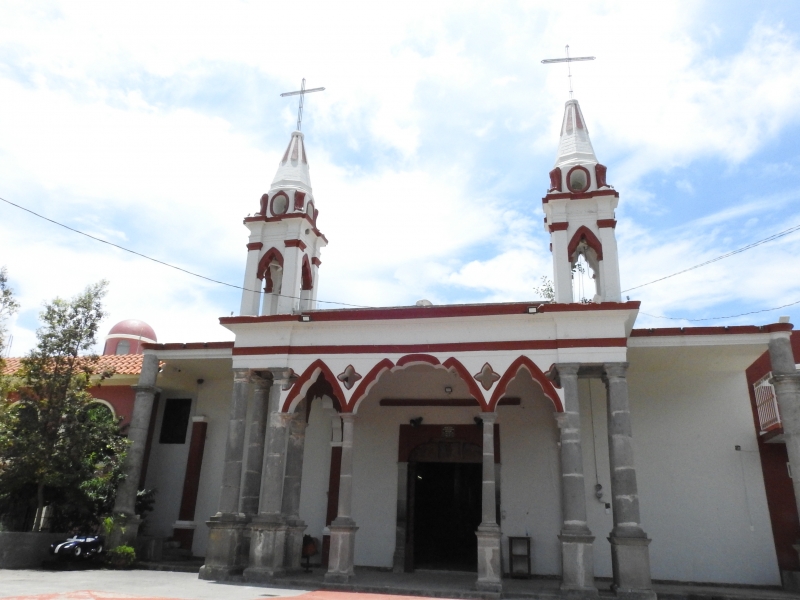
(443,472)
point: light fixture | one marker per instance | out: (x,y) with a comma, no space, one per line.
(305,318)
(532,310)
(416,422)
(448,389)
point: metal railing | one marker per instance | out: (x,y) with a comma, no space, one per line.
(769,417)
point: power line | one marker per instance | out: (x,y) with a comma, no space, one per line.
(161,262)
(731,253)
(752,312)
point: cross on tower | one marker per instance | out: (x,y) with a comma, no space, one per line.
(567,60)
(302,93)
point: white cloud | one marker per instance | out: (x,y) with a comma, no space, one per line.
(128,123)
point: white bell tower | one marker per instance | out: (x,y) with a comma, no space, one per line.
(579,213)
(284,247)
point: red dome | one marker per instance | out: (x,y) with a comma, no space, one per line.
(134,328)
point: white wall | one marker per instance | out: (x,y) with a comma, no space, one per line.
(166,470)
(213,402)
(316,470)
(702,502)
(531,475)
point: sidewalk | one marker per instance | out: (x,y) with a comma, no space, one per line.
(370,584)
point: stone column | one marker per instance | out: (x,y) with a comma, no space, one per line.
(251,489)
(401,526)
(343,528)
(268,528)
(226,553)
(786,381)
(292,481)
(577,557)
(125,501)
(630,556)
(490,568)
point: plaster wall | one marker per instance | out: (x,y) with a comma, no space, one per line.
(213,401)
(166,470)
(316,470)
(703,502)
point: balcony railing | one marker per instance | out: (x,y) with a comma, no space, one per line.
(769,417)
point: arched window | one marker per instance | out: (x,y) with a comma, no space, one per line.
(123,347)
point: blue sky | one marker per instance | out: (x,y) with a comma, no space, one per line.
(159,125)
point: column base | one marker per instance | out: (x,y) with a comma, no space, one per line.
(630,562)
(227,550)
(577,565)
(342,551)
(267,548)
(125,530)
(490,569)
(292,559)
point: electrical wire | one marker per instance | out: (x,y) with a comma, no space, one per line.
(713,260)
(161,262)
(752,312)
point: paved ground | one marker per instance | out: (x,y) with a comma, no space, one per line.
(166,585)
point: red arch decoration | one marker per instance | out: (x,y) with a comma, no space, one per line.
(584,232)
(409,359)
(367,382)
(270,256)
(523,362)
(307,282)
(308,378)
(417,358)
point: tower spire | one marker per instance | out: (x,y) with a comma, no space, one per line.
(574,147)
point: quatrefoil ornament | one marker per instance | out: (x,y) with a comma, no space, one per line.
(487,376)
(348,377)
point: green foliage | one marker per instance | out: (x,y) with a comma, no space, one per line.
(121,557)
(56,440)
(8,306)
(545,289)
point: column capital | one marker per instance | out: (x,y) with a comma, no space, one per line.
(567,369)
(146,388)
(615,370)
(280,375)
(259,381)
(348,417)
(489,418)
(781,377)
(241,375)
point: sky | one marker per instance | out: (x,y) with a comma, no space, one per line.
(158,126)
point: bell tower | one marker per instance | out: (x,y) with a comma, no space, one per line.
(579,214)
(284,246)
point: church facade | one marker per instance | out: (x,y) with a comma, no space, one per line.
(551,436)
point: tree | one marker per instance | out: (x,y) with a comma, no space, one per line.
(8,306)
(55,444)
(545,289)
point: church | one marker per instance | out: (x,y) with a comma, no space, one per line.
(550,437)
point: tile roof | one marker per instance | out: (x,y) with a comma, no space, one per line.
(123,364)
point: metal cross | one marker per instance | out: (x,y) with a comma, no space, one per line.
(567,60)
(302,93)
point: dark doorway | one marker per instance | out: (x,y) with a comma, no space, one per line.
(446,513)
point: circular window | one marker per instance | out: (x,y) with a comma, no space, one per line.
(279,204)
(578,179)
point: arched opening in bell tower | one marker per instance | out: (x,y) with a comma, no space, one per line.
(270,271)
(585,254)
